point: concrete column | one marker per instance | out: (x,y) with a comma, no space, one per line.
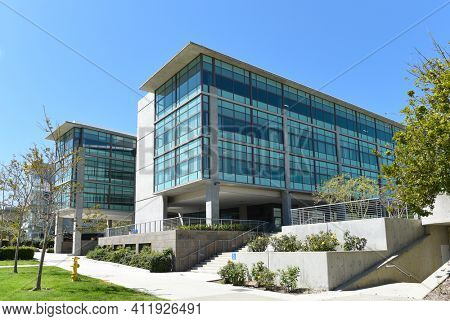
(59,237)
(286,205)
(243,212)
(78,217)
(212,202)
(338,150)
(287,164)
(213,130)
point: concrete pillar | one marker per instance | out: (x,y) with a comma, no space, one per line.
(78,217)
(287,164)
(213,131)
(286,205)
(243,212)
(212,202)
(338,150)
(59,237)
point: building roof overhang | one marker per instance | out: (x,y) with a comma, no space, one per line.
(68,125)
(193,50)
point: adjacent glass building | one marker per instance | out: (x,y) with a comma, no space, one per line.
(106,172)
(108,167)
(220,120)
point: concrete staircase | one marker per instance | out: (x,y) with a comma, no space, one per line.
(215,263)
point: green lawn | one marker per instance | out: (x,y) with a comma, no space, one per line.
(57,286)
(20,262)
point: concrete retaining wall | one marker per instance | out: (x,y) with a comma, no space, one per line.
(318,270)
(185,244)
(414,263)
(382,234)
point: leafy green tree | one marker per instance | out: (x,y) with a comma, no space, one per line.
(342,188)
(421,169)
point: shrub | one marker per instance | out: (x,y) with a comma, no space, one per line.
(99,253)
(289,278)
(353,243)
(161,261)
(51,250)
(154,261)
(234,273)
(25,253)
(322,241)
(286,243)
(121,256)
(263,276)
(258,244)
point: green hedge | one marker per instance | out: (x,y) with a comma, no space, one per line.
(25,253)
(154,261)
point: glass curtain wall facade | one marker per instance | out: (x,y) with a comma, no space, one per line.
(262,125)
(109,169)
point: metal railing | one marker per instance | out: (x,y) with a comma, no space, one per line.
(354,210)
(219,246)
(178,223)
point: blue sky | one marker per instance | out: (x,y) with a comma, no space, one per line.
(310,42)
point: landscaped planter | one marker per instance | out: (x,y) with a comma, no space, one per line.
(318,270)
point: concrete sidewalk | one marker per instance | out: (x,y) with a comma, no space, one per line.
(198,286)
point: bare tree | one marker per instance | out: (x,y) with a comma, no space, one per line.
(18,181)
(55,167)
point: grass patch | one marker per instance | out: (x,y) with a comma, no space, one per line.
(57,286)
(20,262)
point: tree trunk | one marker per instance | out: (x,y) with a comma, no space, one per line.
(37,287)
(16,254)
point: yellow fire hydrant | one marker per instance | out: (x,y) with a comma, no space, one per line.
(75,267)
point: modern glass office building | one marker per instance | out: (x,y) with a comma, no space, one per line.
(226,139)
(106,173)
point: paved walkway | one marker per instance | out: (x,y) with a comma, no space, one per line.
(198,286)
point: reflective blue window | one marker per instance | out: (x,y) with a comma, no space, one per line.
(207,72)
(266,94)
(185,85)
(188,82)
(351,171)
(267,130)
(235,162)
(165,171)
(302,173)
(324,144)
(188,162)
(165,97)
(300,138)
(188,121)
(372,175)
(165,134)
(322,112)
(269,168)
(368,155)
(349,151)
(384,133)
(234,122)
(325,171)
(386,156)
(232,82)
(297,103)
(346,121)
(366,127)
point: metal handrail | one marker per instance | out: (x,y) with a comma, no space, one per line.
(352,210)
(222,241)
(172,224)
